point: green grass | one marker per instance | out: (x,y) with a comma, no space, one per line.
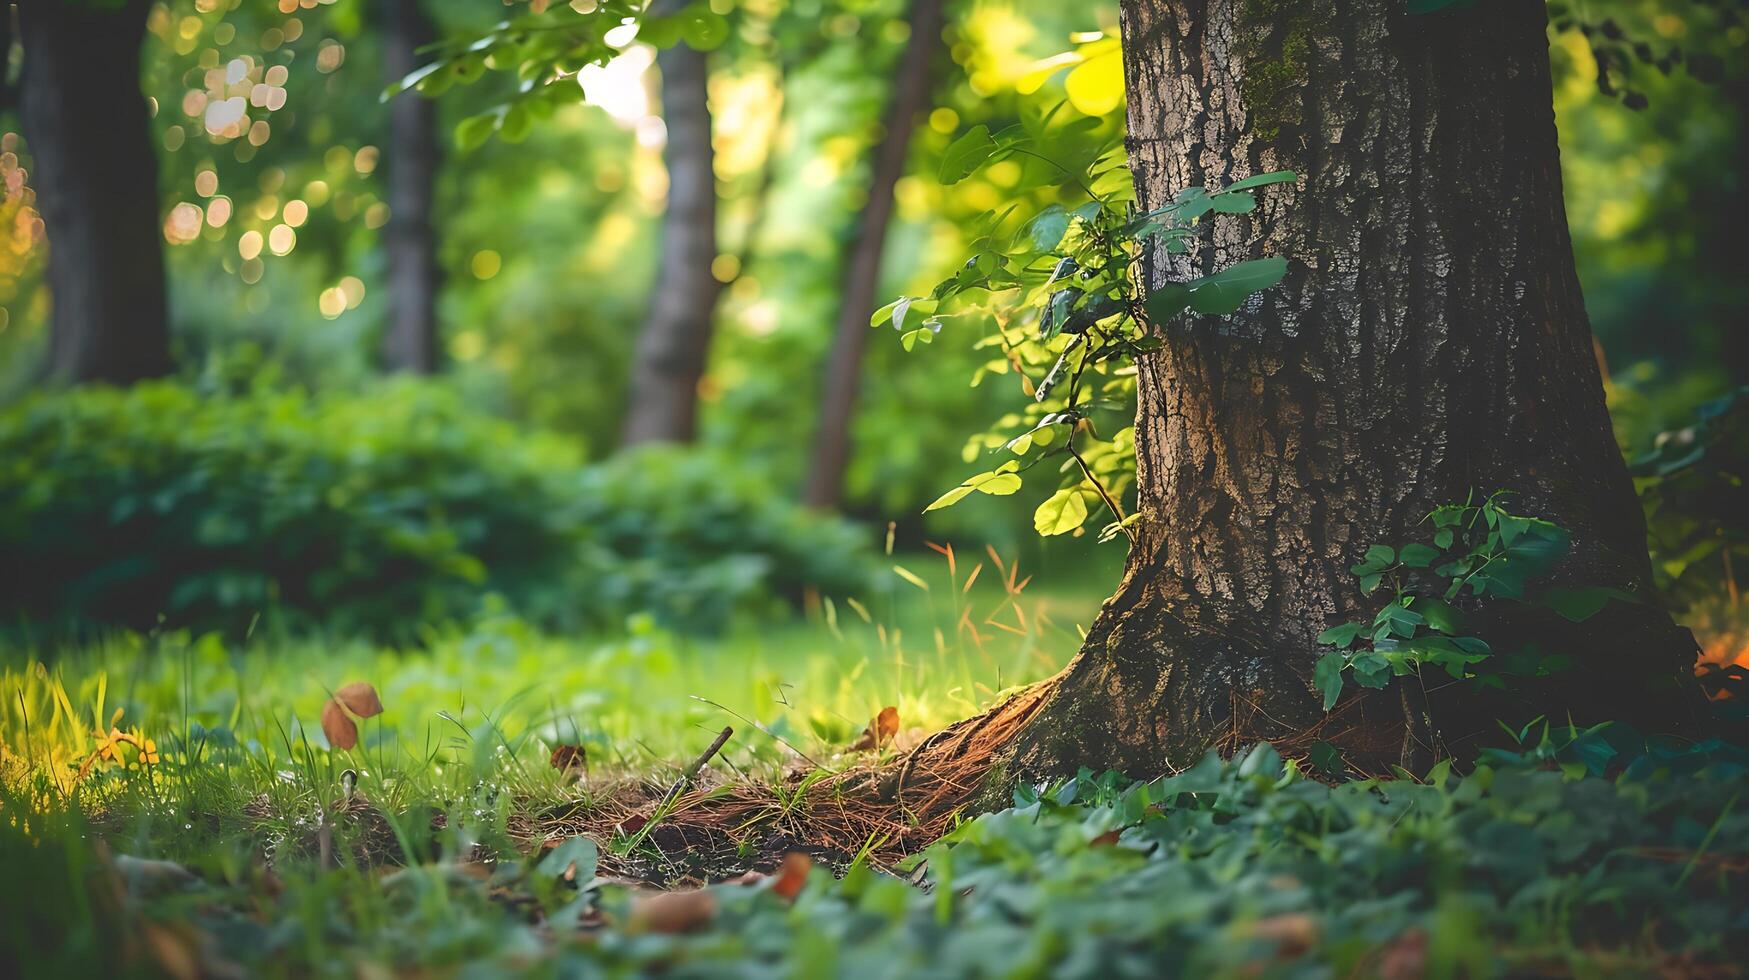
(1562,856)
(230,723)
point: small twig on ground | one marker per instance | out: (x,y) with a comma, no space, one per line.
(786,742)
(690,775)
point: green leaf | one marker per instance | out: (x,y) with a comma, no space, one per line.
(1167,302)
(1327,677)
(966,154)
(1049,227)
(902,310)
(1064,511)
(1441,615)
(703,28)
(1226,291)
(1418,555)
(1341,637)
(579,851)
(950,498)
(1371,670)
(517,121)
(1056,311)
(885,313)
(1370,583)
(424,79)
(999,482)
(999,485)
(1240,203)
(473,131)
(1261,180)
(1381,554)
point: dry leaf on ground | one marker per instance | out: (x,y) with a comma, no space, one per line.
(879,732)
(360,699)
(342,731)
(672,912)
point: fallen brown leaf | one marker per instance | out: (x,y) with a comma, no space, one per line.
(792,875)
(342,732)
(569,758)
(1293,932)
(673,912)
(360,699)
(880,731)
(1406,957)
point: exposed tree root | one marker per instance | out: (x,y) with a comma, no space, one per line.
(886,810)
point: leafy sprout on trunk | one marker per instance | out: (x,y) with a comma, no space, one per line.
(1067,305)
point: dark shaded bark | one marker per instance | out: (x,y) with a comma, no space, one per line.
(412,341)
(96,175)
(1429,341)
(674,346)
(911,88)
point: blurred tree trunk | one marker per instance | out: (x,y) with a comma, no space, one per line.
(1429,341)
(911,87)
(674,347)
(411,342)
(96,174)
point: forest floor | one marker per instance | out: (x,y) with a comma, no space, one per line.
(177,806)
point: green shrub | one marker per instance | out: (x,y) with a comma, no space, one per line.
(372,513)
(1694,483)
(684,532)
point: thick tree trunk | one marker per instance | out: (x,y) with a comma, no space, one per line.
(96,175)
(1429,341)
(675,344)
(411,342)
(862,273)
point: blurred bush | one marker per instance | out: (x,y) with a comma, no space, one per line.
(1692,483)
(373,513)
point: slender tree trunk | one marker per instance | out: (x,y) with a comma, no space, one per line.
(96,175)
(1430,340)
(674,347)
(412,341)
(912,85)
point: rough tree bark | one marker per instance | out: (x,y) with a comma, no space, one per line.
(674,346)
(1430,340)
(832,443)
(411,342)
(96,175)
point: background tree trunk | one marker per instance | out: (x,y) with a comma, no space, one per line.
(412,342)
(1430,340)
(674,347)
(96,174)
(912,85)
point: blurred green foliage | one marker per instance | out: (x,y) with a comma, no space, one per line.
(1693,484)
(375,513)
(548,245)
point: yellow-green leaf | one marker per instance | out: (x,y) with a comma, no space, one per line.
(1065,511)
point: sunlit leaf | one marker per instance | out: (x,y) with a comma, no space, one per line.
(966,154)
(1062,512)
